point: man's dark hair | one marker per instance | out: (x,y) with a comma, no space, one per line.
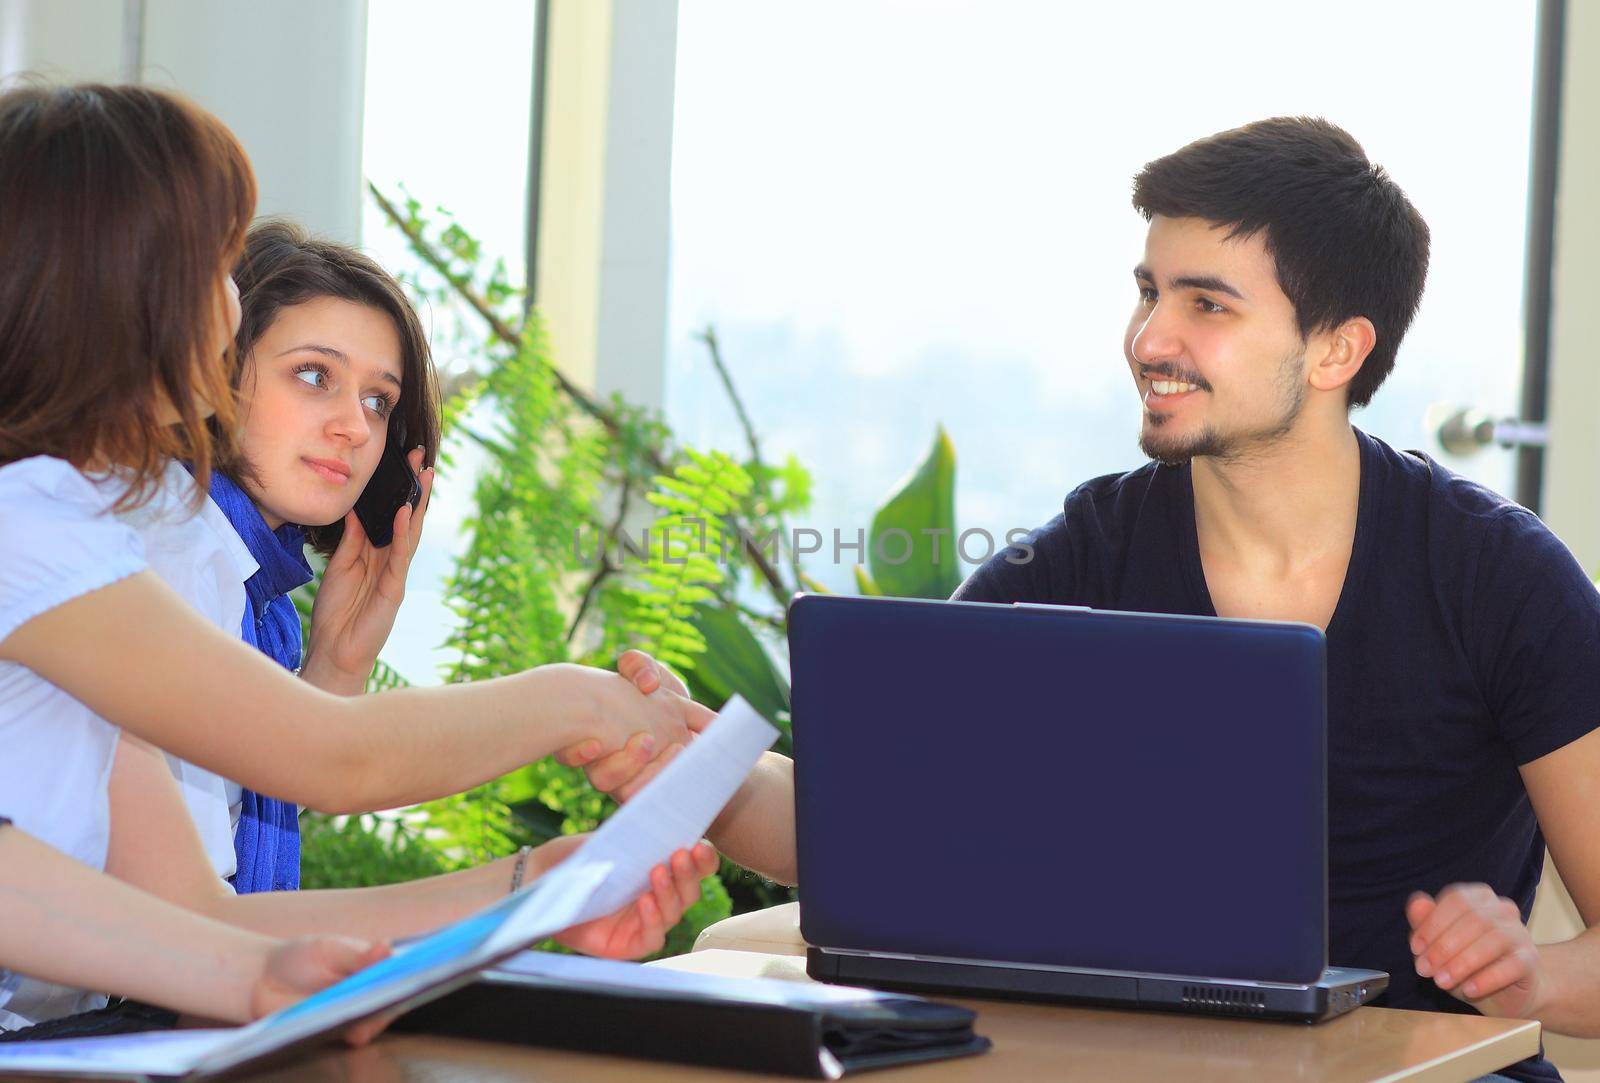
(1345,239)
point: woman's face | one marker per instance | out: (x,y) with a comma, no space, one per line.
(318,389)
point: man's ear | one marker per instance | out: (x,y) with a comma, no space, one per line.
(1347,347)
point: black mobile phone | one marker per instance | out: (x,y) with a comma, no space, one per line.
(392,485)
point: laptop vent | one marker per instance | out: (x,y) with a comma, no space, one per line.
(1223,1000)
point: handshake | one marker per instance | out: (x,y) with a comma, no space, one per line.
(660,729)
(636,720)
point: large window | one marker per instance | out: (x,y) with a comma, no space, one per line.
(447,116)
(899,215)
(904,215)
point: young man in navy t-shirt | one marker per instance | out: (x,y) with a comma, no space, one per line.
(1280,272)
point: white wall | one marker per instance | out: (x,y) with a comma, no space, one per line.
(286,76)
(68,41)
(606,179)
(1572,466)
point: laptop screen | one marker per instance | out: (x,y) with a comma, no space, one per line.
(1043,785)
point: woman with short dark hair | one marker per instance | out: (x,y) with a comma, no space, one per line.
(334,379)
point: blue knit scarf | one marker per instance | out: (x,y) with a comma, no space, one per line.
(267,842)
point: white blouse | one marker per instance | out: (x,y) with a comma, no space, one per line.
(60,539)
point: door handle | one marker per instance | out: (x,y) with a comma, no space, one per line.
(1463,430)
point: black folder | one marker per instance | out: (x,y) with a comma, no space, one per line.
(792,1028)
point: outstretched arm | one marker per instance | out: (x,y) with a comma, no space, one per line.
(155,846)
(62,921)
(189,688)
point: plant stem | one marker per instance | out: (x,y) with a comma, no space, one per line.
(709,337)
(714,347)
(502,330)
(606,567)
(774,622)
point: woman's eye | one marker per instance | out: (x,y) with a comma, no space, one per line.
(1147,294)
(378,404)
(1209,306)
(312,377)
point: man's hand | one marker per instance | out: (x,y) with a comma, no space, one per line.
(640,928)
(295,969)
(361,592)
(1473,944)
(625,771)
(647,674)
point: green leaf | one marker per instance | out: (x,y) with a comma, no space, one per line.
(818,588)
(865,584)
(681,571)
(384,677)
(737,662)
(924,501)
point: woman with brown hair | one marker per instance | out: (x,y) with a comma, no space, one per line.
(122,210)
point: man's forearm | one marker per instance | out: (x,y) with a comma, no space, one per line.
(756,829)
(1571,1005)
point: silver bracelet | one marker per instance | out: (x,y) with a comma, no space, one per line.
(519,868)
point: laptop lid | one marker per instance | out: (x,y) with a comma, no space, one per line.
(1046,785)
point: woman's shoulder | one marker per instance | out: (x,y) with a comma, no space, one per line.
(45,498)
(51,483)
(58,538)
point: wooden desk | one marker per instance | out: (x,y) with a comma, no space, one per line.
(1031,1042)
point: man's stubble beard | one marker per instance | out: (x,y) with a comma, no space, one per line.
(1229,447)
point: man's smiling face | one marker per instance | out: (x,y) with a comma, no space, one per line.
(1213,344)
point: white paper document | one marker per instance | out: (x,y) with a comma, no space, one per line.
(608,872)
(675,809)
(656,981)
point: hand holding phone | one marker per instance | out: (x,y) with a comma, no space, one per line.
(363,586)
(392,485)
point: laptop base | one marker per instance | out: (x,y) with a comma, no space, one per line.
(1340,989)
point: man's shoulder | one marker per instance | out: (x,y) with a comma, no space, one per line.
(1491,562)
(1115,497)
(1097,514)
(1462,515)
(1052,562)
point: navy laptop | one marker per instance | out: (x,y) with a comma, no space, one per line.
(1048,802)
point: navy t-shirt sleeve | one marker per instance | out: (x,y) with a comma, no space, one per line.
(1074,559)
(1030,569)
(1535,635)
